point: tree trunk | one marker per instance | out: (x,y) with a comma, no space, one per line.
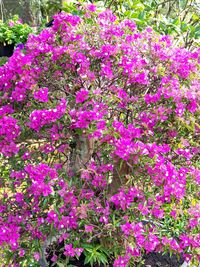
(28,10)
(82,153)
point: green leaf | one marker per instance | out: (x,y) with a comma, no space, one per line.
(197,32)
(141,15)
(184,27)
(87,246)
(182,4)
(105,251)
(102,257)
(89,259)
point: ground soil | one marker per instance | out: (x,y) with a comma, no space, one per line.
(159,260)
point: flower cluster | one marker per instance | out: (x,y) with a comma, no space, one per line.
(39,118)
(9,131)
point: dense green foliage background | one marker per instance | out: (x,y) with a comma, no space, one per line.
(179,18)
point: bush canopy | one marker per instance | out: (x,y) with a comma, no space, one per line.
(99,137)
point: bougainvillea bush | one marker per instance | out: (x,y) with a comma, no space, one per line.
(99,137)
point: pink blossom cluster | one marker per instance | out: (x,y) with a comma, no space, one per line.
(39,118)
(9,131)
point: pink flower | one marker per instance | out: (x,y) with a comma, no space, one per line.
(91,7)
(54,258)
(19,197)
(36,256)
(41,95)
(185,241)
(173,214)
(71,252)
(11,23)
(187,257)
(121,261)
(193,223)
(158,213)
(89,228)
(135,252)
(174,245)
(81,96)
(127,228)
(21,252)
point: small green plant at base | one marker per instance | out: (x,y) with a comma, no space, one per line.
(95,253)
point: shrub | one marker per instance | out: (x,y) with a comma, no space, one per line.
(14,31)
(100,144)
